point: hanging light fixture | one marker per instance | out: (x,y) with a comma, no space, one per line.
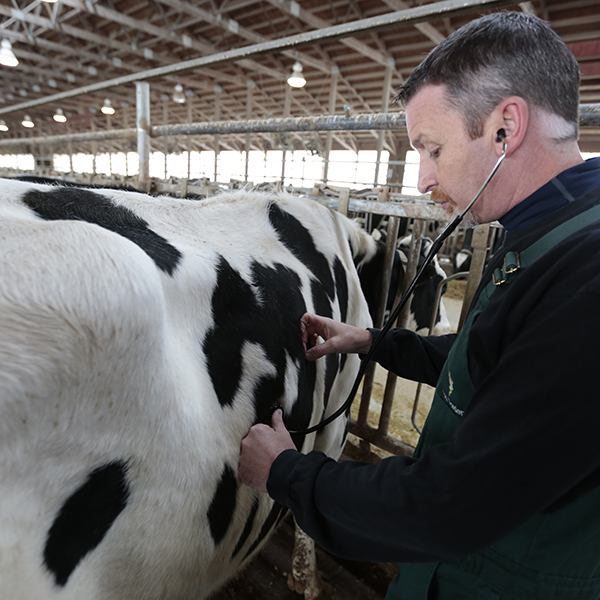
(107,108)
(3,125)
(296,79)
(59,116)
(178,95)
(7,56)
(27,122)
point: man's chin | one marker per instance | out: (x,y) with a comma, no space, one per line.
(469,220)
(452,210)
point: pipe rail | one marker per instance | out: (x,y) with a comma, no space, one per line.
(589,116)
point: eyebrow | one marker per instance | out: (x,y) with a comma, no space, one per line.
(421,140)
(417,142)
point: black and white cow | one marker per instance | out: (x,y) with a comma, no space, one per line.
(423,299)
(140,338)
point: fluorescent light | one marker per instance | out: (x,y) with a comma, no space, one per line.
(27,122)
(7,56)
(107,108)
(59,116)
(3,126)
(296,79)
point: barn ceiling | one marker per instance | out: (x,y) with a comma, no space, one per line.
(73,43)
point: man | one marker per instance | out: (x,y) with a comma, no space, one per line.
(502,497)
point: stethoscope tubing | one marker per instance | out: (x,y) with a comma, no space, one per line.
(435,248)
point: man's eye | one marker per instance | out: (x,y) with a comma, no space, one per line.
(434,153)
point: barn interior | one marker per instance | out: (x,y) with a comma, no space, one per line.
(233,61)
(192,96)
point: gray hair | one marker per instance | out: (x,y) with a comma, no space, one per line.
(500,55)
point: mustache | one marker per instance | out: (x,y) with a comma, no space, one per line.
(439,195)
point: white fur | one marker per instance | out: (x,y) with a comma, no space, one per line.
(101,359)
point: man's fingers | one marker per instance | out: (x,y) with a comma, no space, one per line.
(277,420)
(318,351)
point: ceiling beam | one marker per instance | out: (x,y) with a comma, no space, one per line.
(588,49)
(426,29)
(386,21)
(292,8)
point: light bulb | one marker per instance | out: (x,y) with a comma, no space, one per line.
(178,95)
(59,116)
(296,79)
(107,108)
(7,56)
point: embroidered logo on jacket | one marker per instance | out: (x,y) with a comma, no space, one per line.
(446,397)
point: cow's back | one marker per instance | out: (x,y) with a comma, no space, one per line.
(140,339)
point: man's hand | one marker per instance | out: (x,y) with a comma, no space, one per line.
(339,337)
(260,448)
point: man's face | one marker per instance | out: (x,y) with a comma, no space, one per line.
(453,166)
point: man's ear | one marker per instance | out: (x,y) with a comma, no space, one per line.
(508,124)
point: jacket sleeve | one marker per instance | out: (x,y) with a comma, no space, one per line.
(317,489)
(412,356)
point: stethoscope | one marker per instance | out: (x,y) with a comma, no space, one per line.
(437,244)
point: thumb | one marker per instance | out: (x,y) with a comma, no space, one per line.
(277,420)
(319,350)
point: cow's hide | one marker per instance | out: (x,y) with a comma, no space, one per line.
(140,338)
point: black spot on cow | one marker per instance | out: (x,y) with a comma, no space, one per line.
(321,303)
(233,304)
(266,313)
(341,288)
(84,519)
(282,307)
(222,506)
(273,519)
(332,362)
(83,205)
(247,528)
(298,240)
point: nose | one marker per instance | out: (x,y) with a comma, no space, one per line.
(426,181)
